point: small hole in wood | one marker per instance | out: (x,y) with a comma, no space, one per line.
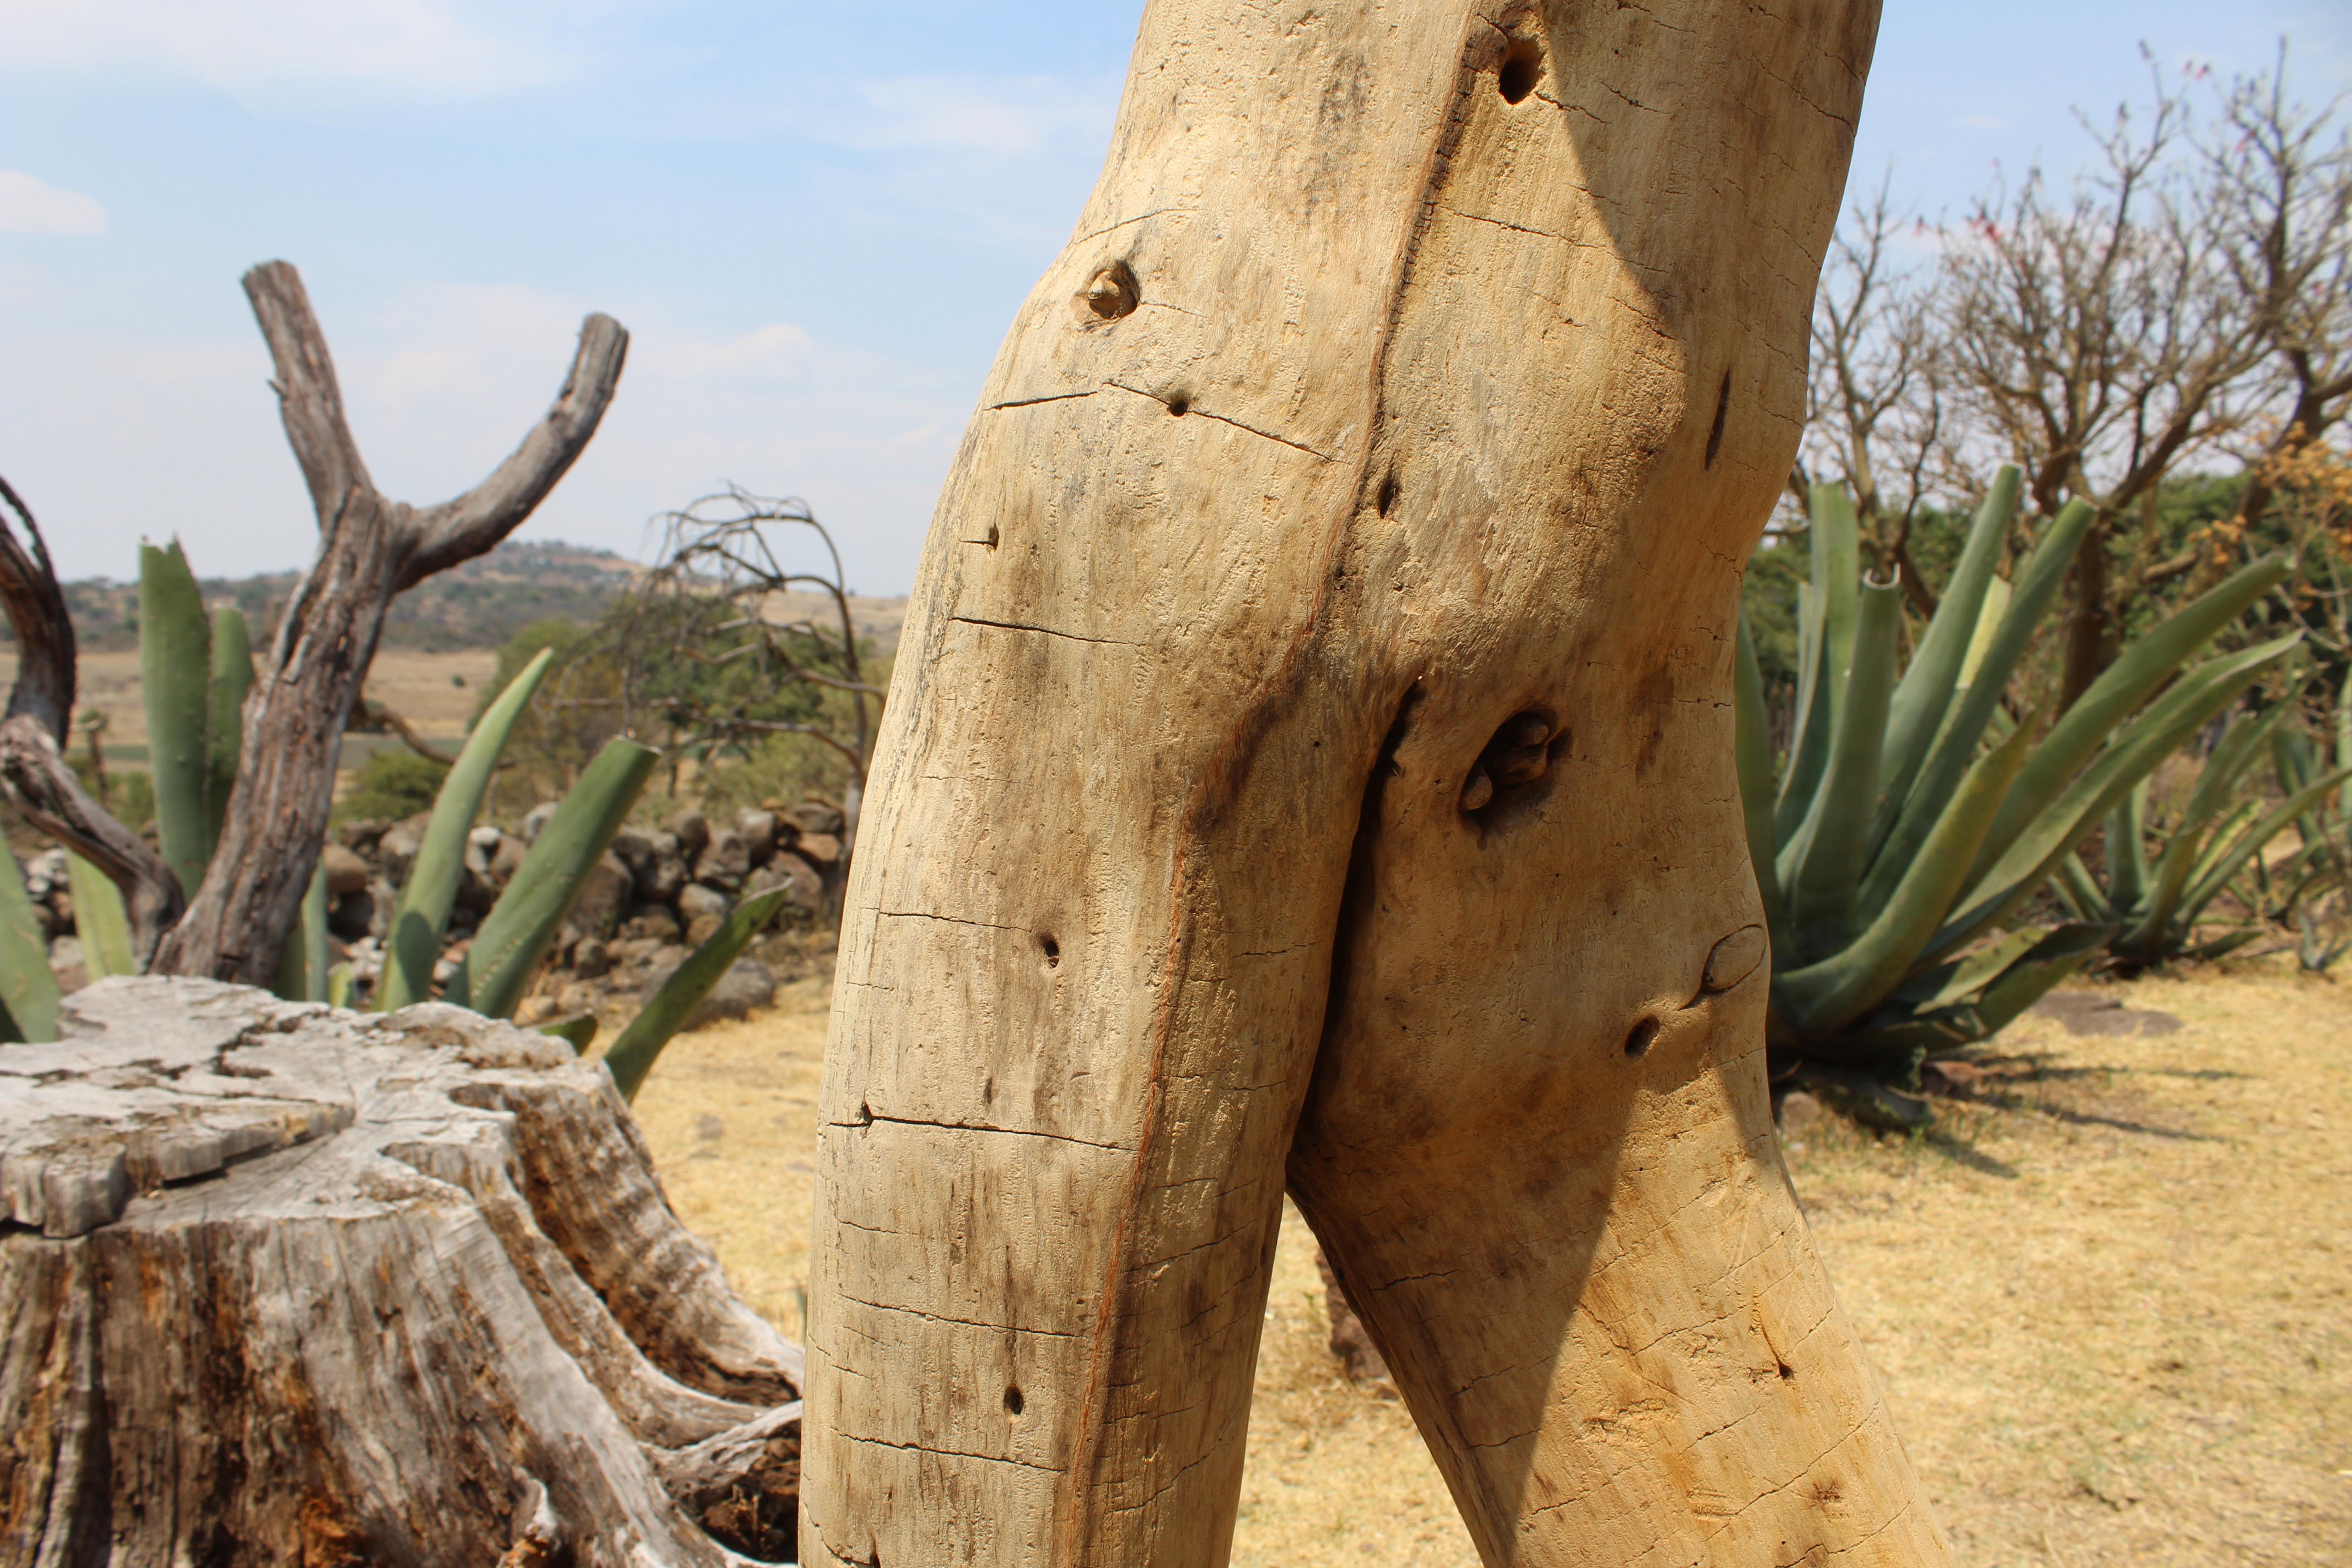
(1637,1044)
(1012,1400)
(1522,69)
(1051,949)
(1388,495)
(1178,404)
(993,536)
(1111,292)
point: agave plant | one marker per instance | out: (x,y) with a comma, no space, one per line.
(2156,903)
(1912,814)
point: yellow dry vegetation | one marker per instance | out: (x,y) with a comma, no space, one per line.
(2112,1304)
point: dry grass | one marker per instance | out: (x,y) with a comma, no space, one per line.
(2113,1312)
(416,686)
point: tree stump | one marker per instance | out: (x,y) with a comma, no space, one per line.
(281,1284)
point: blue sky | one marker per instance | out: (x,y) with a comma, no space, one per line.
(816,221)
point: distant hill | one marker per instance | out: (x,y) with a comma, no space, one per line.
(478,604)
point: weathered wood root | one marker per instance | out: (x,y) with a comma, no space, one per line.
(281,1284)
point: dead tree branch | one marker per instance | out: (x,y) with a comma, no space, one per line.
(370,549)
(33,739)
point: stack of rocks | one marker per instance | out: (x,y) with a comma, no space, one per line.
(646,905)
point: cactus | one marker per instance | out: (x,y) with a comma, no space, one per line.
(1912,815)
(632,1056)
(2156,904)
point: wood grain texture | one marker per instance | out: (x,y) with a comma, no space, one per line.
(1309,761)
(280,1284)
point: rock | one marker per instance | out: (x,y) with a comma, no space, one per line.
(352,916)
(589,958)
(508,859)
(397,850)
(787,870)
(536,819)
(757,828)
(362,833)
(61,909)
(695,899)
(2092,1013)
(1359,1357)
(66,964)
(663,872)
(634,847)
(725,861)
(381,900)
(346,872)
(650,922)
(1953,1081)
(1799,1112)
(603,894)
(702,928)
(746,985)
(816,816)
(819,849)
(692,832)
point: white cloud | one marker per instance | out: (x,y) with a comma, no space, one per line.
(441,382)
(436,47)
(29,204)
(1984,121)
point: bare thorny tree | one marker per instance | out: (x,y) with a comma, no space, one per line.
(2186,302)
(370,548)
(731,642)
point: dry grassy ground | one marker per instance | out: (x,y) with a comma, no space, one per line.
(416,686)
(2113,1310)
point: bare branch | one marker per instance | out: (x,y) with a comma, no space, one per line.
(44,635)
(309,400)
(474,522)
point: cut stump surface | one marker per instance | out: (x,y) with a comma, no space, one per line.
(283,1284)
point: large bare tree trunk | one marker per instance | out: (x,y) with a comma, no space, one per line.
(1310,761)
(280,1284)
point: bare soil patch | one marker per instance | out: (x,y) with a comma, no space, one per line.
(2111,1302)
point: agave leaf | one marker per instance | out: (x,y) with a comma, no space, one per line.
(302,967)
(2208,886)
(431,892)
(2145,666)
(1755,757)
(515,935)
(1957,980)
(1827,997)
(101,919)
(1955,750)
(2221,946)
(1836,539)
(632,1056)
(2079,891)
(2190,847)
(1916,716)
(1808,747)
(28,987)
(1998,597)
(174,677)
(1822,865)
(2128,867)
(578,1031)
(2065,822)
(2058,954)
(225,693)
(338,985)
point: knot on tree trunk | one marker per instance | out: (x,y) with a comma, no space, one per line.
(279,1283)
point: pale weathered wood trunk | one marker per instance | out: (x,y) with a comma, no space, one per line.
(281,1285)
(1310,761)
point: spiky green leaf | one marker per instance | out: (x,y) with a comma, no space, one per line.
(632,1056)
(29,995)
(99,919)
(174,677)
